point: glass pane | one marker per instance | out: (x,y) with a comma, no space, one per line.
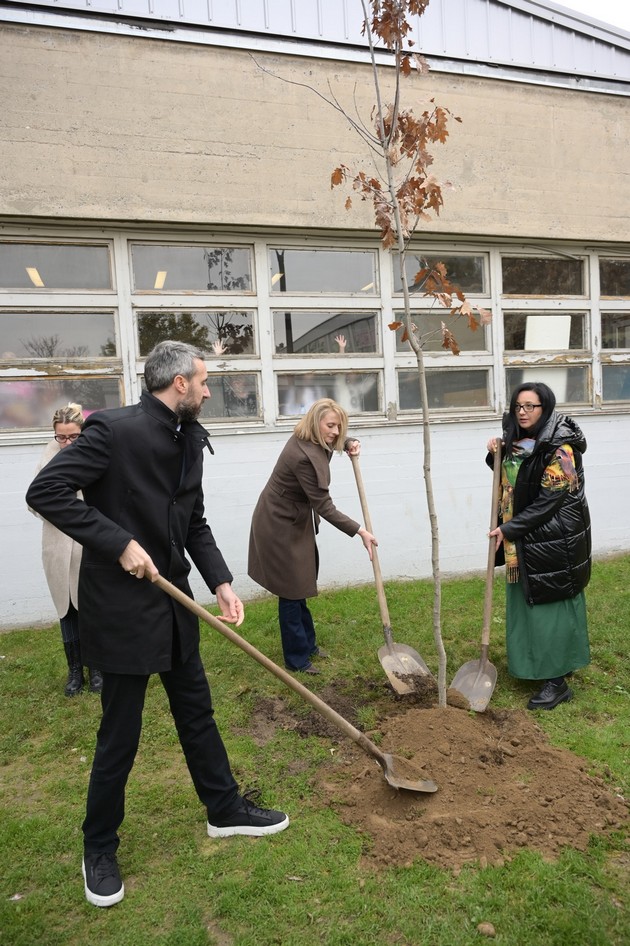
(233,330)
(57,335)
(300,332)
(32,403)
(615,329)
(191,268)
(616,382)
(570,384)
(355,391)
(544,331)
(49,266)
(533,276)
(466,272)
(614,277)
(232,395)
(322,271)
(447,388)
(429,325)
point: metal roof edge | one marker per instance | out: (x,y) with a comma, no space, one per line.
(151,29)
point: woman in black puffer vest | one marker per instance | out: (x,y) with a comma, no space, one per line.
(544,536)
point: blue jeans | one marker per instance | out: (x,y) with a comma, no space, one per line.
(297,632)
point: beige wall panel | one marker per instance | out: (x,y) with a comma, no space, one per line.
(104,126)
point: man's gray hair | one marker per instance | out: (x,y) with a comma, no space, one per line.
(166,361)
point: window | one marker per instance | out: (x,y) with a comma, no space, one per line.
(31,402)
(570,384)
(614,277)
(307,332)
(223,332)
(467,272)
(61,335)
(616,382)
(58,342)
(322,271)
(536,276)
(191,268)
(47,266)
(544,331)
(232,396)
(429,325)
(615,375)
(616,329)
(462,388)
(357,392)
(282,324)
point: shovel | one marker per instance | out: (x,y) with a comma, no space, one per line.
(476,680)
(401,663)
(398,772)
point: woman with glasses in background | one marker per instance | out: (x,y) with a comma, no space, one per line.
(544,538)
(61,557)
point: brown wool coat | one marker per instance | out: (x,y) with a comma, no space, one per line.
(282,549)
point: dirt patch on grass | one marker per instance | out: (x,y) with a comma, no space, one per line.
(501,786)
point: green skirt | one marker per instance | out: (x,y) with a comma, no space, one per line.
(546,640)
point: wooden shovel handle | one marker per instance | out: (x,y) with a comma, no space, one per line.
(378,576)
(492,547)
(323,708)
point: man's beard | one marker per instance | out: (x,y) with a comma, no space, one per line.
(188,411)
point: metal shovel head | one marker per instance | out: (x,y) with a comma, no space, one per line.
(476,681)
(400,773)
(403,666)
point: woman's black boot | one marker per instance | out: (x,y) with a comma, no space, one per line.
(74,683)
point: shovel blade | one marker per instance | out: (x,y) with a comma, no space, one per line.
(403,667)
(475,681)
(401,773)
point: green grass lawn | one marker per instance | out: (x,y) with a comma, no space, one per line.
(310,884)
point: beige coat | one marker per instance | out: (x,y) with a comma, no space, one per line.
(61,555)
(282,550)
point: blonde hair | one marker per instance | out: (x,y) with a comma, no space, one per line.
(69,414)
(308,427)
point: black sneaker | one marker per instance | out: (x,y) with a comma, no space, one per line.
(103,884)
(247,819)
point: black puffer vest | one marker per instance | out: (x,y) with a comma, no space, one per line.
(551,529)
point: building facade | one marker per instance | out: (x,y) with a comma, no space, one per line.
(166,173)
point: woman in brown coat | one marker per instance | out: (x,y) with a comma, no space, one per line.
(283,554)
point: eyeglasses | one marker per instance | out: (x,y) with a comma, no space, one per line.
(66,438)
(528,408)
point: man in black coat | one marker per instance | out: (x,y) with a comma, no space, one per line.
(140,469)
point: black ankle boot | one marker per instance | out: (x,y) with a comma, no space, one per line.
(74,683)
(96,680)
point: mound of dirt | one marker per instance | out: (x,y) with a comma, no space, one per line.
(501,786)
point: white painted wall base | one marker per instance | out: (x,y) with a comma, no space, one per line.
(391,463)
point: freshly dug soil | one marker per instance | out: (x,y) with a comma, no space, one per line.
(501,786)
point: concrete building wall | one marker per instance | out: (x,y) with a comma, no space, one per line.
(108,127)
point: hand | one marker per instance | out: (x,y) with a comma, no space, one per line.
(341,341)
(218,347)
(499,536)
(353,448)
(370,541)
(493,444)
(137,563)
(231,607)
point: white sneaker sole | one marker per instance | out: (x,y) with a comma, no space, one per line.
(94,898)
(247,830)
